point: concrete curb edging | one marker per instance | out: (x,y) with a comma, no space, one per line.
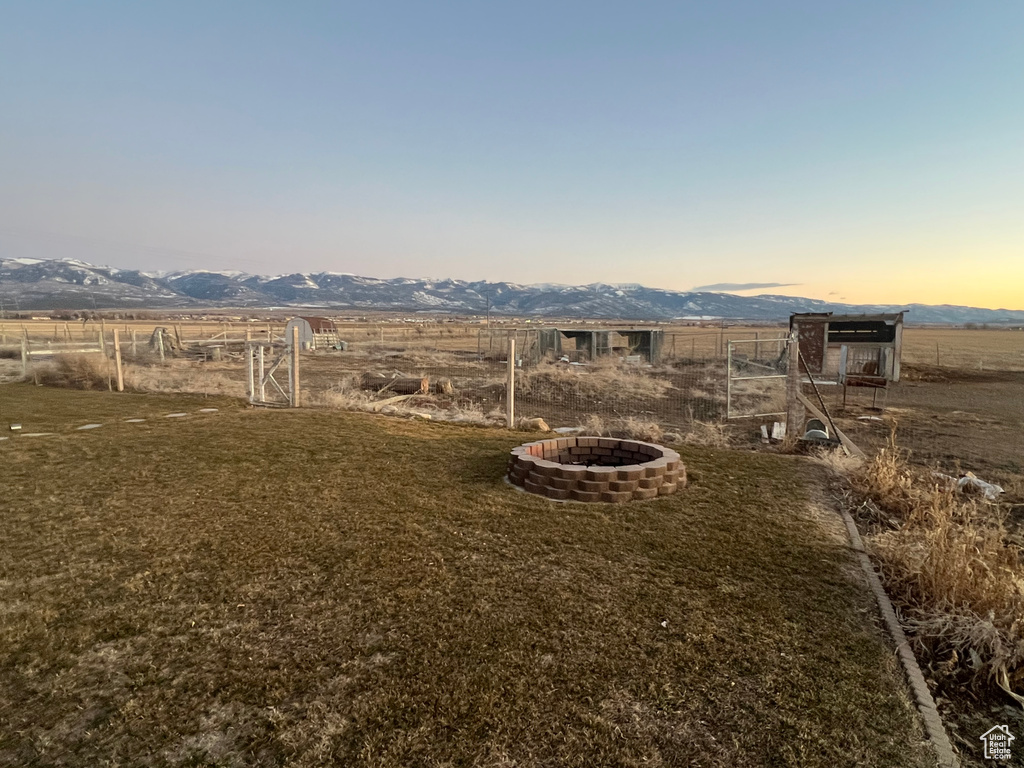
(933,726)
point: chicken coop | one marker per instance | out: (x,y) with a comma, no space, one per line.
(314,333)
(850,350)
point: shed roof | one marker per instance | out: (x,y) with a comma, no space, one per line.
(320,324)
(824,317)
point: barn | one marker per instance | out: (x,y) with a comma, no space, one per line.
(314,333)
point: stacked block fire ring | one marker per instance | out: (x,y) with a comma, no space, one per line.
(596,469)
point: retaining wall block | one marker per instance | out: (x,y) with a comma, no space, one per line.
(616,497)
(533,487)
(629,473)
(624,485)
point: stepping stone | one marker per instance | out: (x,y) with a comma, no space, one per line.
(5,438)
(133,421)
(37,434)
(175,415)
(89,426)
(208,410)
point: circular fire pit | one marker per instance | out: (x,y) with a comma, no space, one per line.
(596,469)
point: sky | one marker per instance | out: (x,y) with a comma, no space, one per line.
(868,152)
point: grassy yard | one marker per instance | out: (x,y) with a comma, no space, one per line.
(314,588)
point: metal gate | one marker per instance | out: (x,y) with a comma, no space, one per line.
(262,361)
(755,360)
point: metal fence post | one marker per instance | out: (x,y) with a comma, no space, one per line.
(510,405)
(728,380)
(260,369)
(294,388)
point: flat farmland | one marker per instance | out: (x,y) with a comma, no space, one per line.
(959,348)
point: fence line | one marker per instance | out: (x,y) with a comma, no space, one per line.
(943,420)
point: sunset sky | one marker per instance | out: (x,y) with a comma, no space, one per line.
(862,152)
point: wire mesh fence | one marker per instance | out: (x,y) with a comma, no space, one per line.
(964,414)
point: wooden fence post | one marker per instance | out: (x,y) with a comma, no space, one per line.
(510,405)
(160,343)
(24,356)
(794,408)
(117,361)
(261,370)
(248,368)
(135,350)
(103,343)
(295,393)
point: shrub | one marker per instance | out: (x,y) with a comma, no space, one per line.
(82,371)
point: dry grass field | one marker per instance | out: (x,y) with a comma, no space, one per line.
(974,349)
(313,587)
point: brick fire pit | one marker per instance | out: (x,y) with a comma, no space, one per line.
(596,469)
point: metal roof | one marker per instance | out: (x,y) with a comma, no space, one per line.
(892,317)
(319,324)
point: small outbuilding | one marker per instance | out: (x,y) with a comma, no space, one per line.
(852,350)
(590,344)
(314,333)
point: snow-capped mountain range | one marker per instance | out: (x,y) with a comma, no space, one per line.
(35,284)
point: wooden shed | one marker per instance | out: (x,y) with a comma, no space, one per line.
(853,350)
(314,333)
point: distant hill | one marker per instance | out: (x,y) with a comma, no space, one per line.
(33,284)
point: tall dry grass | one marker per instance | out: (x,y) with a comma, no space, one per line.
(948,564)
(80,371)
(183,377)
(93,371)
(608,380)
(627,429)
(706,434)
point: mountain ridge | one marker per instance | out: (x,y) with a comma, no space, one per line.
(66,284)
